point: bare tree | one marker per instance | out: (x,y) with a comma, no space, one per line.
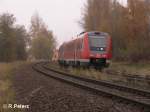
(43,41)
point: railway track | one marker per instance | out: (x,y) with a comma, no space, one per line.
(122,93)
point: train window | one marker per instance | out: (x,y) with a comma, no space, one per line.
(78,44)
(97,41)
(82,43)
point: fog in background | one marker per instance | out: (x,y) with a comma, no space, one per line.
(61,16)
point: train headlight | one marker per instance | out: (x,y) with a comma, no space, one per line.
(102,48)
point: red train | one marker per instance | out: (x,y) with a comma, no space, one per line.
(89,48)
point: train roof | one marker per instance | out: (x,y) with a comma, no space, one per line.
(91,33)
(97,33)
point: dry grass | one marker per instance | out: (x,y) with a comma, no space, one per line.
(7,93)
(91,73)
(122,69)
(95,74)
(138,68)
(114,77)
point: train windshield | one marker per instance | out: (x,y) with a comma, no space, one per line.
(97,41)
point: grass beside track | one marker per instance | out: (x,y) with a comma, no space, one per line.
(141,70)
(91,73)
(7,94)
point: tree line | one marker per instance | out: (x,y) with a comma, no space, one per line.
(16,43)
(128,25)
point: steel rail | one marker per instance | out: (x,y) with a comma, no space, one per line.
(109,89)
(106,83)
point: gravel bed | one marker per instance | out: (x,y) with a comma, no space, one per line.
(44,94)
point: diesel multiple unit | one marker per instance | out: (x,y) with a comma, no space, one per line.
(88,49)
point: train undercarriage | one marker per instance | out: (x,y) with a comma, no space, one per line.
(94,63)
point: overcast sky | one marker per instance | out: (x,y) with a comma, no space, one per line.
(61,16)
